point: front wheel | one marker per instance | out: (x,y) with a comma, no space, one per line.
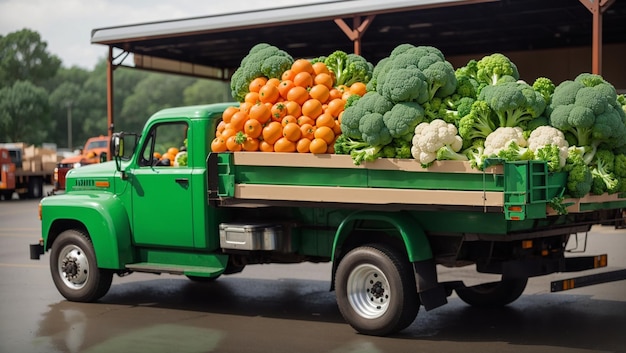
(74,269)
(493,294)
(376,291)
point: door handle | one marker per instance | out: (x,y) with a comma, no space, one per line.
(182,181)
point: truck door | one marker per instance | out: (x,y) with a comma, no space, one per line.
(162,192)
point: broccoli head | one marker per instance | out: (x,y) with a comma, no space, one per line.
(588,112)
(545,87)
(403,85)
(515,103)
(373,130)
(478,124)
(402,119)
(414,73)
(349,68)
(371,102)
(491,68)
(262,60)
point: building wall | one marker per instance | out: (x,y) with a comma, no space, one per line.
(563,64)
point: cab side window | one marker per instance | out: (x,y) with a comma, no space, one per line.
(165,146)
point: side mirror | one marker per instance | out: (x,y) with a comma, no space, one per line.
(117,145)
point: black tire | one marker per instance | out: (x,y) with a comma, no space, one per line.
(74,269)
(35,188)
(375,289)
(200,279)
(6,195)
(493,294)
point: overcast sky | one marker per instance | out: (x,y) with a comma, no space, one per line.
(66,24)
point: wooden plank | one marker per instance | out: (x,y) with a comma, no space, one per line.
(344,161)
(575,206)
(374,196)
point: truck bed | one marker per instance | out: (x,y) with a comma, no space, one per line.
(519,190)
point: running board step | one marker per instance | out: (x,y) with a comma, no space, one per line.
(175,269)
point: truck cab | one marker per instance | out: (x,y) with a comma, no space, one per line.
(7,174)
(94,151)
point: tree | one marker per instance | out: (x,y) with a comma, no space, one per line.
(207,91)
(24,57)
(24,113)
(155,92)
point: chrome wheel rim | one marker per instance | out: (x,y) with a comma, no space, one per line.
(73,267)
(368,291)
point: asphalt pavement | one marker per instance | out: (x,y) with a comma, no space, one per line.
(286,308)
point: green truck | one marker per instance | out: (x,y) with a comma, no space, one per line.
(385,226)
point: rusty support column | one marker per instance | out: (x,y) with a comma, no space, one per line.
(110,119)
(357,31)
(597,8)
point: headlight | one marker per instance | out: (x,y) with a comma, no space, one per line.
(76,165)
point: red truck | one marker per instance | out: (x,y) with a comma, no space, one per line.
(24,170)
(94,151)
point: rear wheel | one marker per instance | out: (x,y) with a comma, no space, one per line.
(74,269)
(376,291)
(493,294)
(35,188)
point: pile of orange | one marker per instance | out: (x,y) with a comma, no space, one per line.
(301,112)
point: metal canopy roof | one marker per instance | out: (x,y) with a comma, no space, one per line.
(478,26)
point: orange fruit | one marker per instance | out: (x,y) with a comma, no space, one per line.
(266,147)
(298,94)
(287,75)
(312,108)
(320,68)
(273,81)
(307,131)
(320,92)
(260,112)
(272,132)
(302,65)
(302,146)
(284,87)
(335,107)
(218,145)
(324,79)
(232,145)
(278,111)
(325,133)
(358,88)
(284,145)
(253,128)
(220,127)
(305,120)
(245,107)
(335,93)
(256,84)
(251,144)
(252,97)
(228,113)
(228,132)
(238,120)
(336,128)
(291,132)
(325,120)
(318,146)
(303,79)
(269,93)
(293,108)
(288,119)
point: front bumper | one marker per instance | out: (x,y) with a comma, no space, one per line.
(36,250)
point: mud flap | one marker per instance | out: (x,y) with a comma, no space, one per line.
(432,294)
